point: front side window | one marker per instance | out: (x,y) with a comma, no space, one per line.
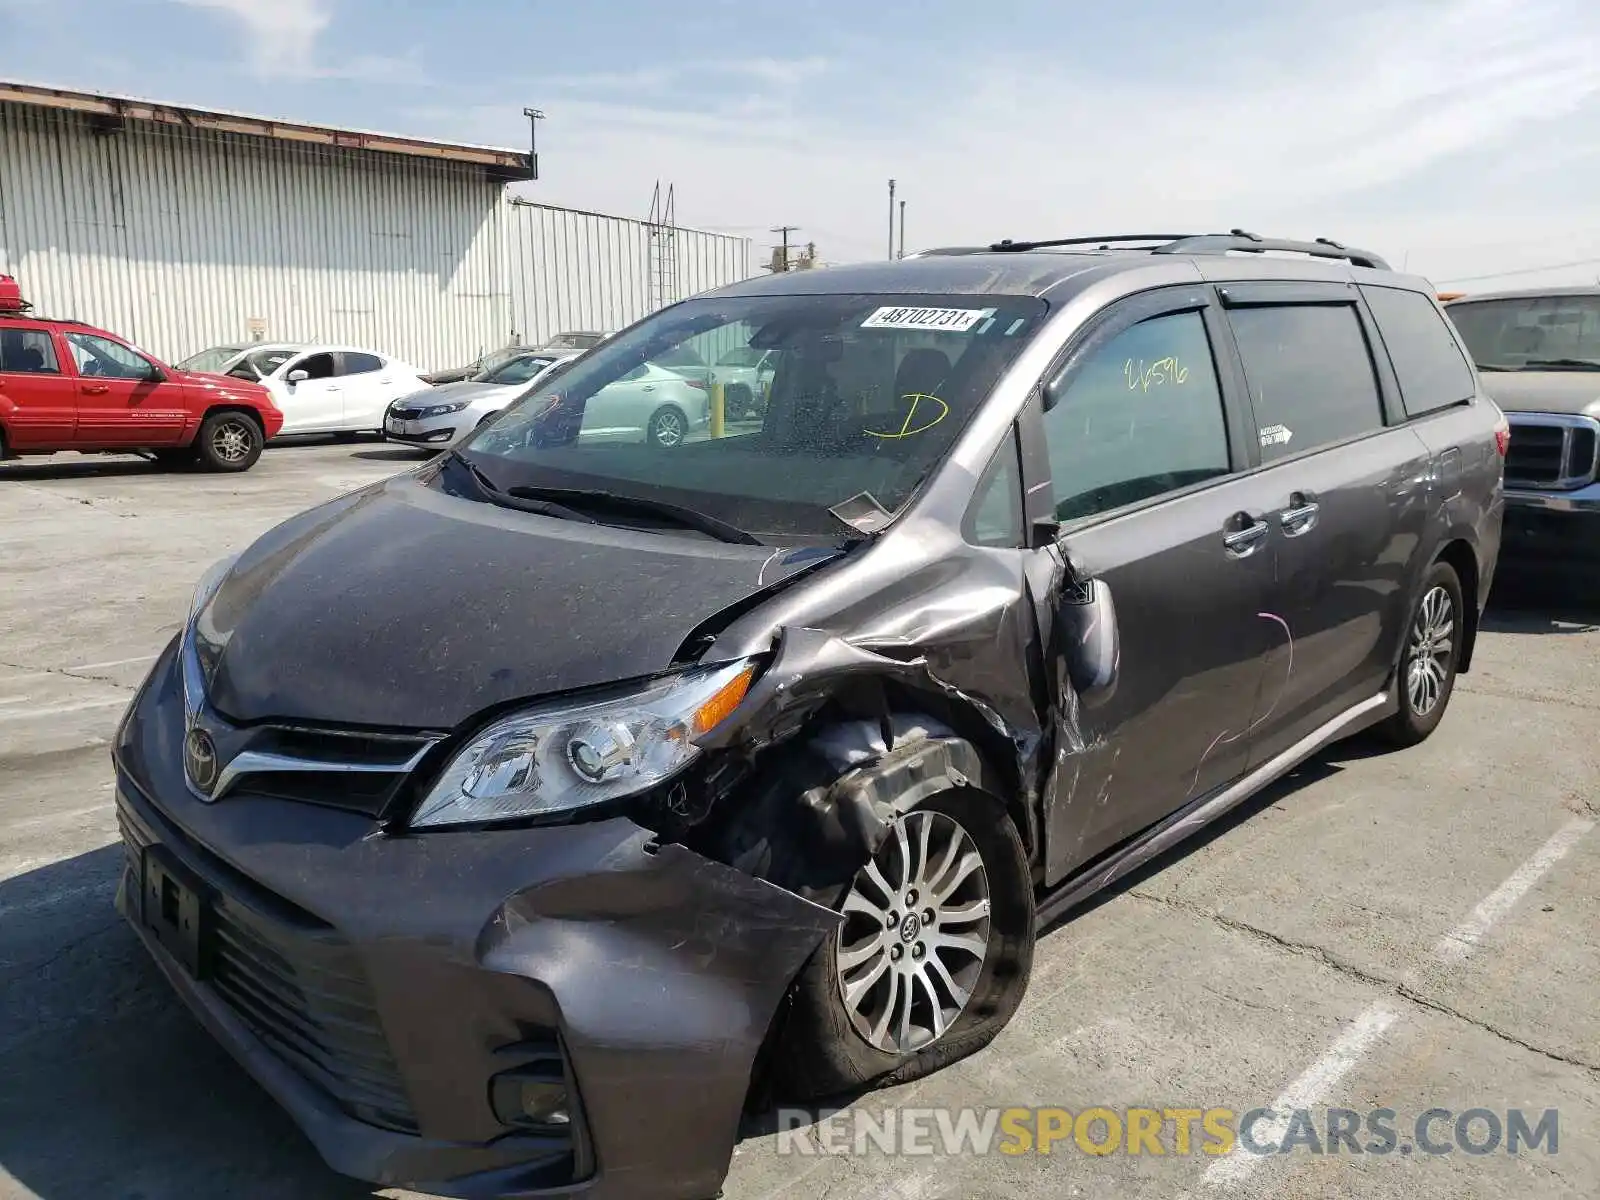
(102,358)
(869,394)
(1310,372)
(316,366)
(28,352)
(1137,417)
(1531,333)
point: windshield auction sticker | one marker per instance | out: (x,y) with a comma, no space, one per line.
(950,320)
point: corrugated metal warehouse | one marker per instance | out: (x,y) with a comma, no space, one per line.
(183,228)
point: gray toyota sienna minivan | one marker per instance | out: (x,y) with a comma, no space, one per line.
(515,820)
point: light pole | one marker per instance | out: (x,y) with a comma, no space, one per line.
(891,218)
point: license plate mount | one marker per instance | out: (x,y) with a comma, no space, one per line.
(177,911)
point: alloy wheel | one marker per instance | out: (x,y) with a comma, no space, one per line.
(667,428)
(1432,651)
(232,441)
(916,934)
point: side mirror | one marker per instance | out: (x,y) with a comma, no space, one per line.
(298,376)
(1090,639)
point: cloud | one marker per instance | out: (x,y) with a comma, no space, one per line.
(1430,130)
(281,35)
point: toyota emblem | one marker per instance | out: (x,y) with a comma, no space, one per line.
(200,760)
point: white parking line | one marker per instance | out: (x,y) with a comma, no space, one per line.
(1320,1078)
(1369,1028)
(58,710)
(116,662)
(1464,938)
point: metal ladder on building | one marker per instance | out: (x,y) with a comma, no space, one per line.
(663,227)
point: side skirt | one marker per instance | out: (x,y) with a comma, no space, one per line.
(1189,820)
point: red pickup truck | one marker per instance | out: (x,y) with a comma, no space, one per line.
(65,385)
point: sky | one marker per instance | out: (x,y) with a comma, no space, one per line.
(1458,138)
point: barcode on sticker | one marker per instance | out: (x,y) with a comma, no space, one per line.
(953,320)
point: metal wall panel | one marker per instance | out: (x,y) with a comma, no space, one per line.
(179,240)
(575,270)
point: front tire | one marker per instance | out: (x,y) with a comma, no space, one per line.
(668,427)
(896,995)
(1428,666)
(228,442)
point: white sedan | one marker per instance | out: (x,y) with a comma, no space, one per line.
(321,389)
(649,404)
(440,415)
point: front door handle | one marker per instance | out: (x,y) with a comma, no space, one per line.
(1247,540)
(95,389)
(1301,515)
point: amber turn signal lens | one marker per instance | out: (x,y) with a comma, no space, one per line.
(720,707)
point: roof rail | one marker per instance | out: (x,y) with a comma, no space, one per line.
(1251,243)
(1104,242)
(1237,240)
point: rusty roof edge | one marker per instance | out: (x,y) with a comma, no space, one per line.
(510,164)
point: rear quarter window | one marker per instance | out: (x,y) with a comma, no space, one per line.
(1428,362)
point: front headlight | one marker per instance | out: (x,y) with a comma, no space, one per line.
(440,410)
(194,641)
(558,757)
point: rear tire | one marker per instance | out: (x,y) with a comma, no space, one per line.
(1427,674)
(4,452)
(228,442)
(737,402)
(827,1046)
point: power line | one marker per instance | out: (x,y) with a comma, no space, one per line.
(1582,262)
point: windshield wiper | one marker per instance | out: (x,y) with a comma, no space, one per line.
(1565,364)
(689,518)
(497,495)
(1493,367)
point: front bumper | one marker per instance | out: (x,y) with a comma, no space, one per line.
(1556,529)
(425,431)
(374,985)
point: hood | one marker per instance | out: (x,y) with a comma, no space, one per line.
(403,607)
(1572,392)
(225,387)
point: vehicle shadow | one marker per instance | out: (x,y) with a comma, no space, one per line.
(1550,602)
(402,454)
(108,1087)
(88,466)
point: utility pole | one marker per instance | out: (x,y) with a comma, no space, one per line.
(902,229)
(534,117)
(781,253)
(891,218)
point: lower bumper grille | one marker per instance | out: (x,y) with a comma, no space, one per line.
(299,988)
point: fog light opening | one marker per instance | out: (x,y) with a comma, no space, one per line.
(531,1101)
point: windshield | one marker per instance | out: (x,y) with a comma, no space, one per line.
(868,394)
(744,357)
(210,361)
(518,370)
(264,362)
(1531,333)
